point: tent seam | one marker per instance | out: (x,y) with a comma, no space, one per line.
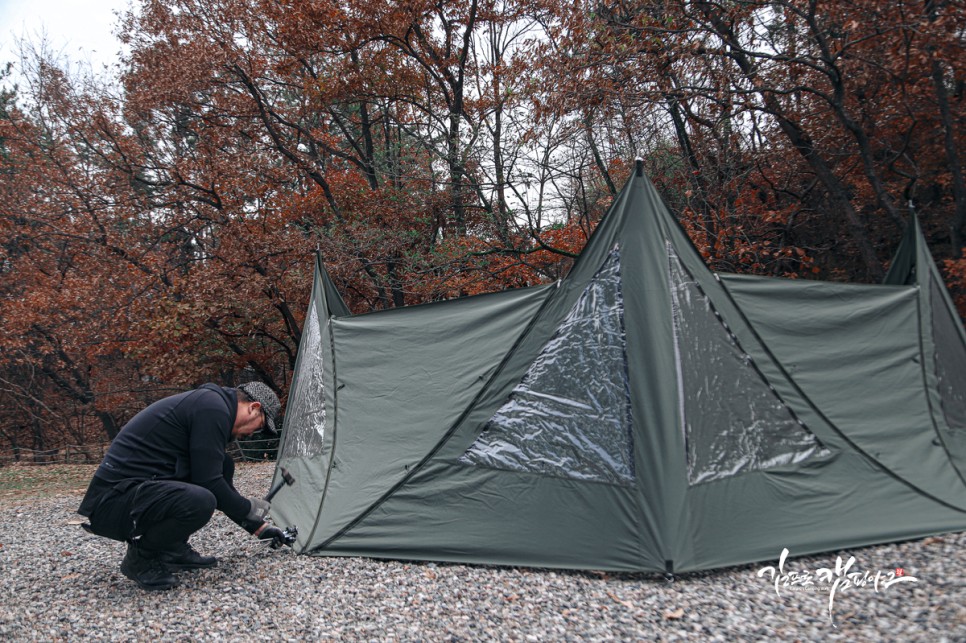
(335,408)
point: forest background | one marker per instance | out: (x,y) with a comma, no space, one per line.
(158,227)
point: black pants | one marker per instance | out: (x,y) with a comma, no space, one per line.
(161,514)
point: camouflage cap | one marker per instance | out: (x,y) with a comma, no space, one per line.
(261,393)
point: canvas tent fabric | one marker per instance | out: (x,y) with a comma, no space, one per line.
(641,414)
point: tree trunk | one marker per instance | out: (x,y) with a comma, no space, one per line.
(957,228)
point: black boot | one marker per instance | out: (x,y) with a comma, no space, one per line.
(146,569)
(185,557)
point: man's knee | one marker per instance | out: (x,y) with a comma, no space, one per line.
(202,502)
(180,501)
(191,504)
(172,511)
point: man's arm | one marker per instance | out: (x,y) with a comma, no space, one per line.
(209,433)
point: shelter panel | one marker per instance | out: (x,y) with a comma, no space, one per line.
(734,421)
(306,406)
(403,378)
(570,415)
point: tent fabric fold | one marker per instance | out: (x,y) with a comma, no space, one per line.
(642,414)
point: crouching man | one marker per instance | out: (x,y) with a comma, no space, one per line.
(167,471)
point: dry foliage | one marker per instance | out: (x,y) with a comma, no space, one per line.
(160,232)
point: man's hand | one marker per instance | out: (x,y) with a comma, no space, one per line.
(270,532)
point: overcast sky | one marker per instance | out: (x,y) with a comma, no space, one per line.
(80,30)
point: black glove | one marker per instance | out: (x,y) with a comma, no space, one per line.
(270,532)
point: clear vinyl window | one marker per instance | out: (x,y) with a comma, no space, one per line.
(570,416)
(306,407)
(734,421)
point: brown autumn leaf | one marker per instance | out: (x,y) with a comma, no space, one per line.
(618,600)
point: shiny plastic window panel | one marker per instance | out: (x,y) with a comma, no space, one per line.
(306,407)
(734,422)
(570,415)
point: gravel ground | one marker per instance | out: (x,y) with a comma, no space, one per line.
(59,583)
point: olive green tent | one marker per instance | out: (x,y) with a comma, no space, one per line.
(642,414)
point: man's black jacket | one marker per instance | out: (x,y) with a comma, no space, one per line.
(182,437)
